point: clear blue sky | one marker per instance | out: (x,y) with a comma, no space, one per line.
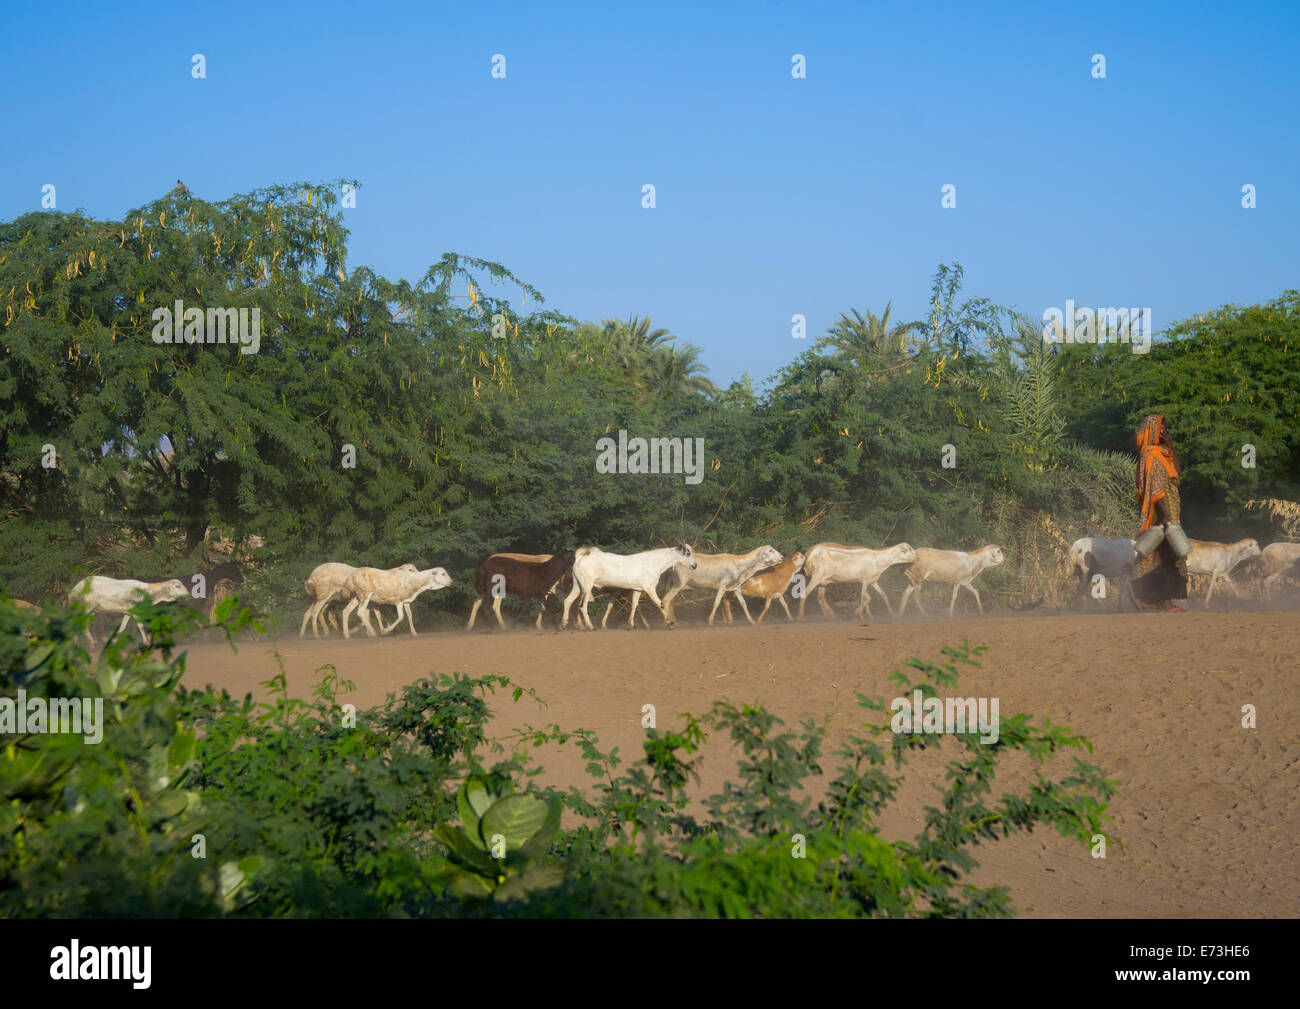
(775,195)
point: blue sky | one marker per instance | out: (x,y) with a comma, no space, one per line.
(775,196)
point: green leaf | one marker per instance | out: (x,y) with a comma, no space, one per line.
(517,817)
(464,851)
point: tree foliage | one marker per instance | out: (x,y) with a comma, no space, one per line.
(438,421)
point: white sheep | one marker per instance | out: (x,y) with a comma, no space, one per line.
(398,587)
(117,595)
(593,569)
(952,567)
(835,563)
(723,572)
(1218,559)
(327,584)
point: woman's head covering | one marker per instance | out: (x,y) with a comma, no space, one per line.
(1157,465)
(1152,431)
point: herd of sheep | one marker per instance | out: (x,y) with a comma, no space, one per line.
(760,574)
(763,573)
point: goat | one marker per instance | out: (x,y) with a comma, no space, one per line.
(1218,559)
(118,595)
(1277,561)
(528,578)
(724,572)
(770,584)
(1113,559)
(326,584)
(952,567)
(398,587)
(593,569)
(833,563)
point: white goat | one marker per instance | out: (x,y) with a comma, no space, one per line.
(397,587)
(593,569)
(326,584)
(1218,559)
(724,572)
(1277,561)
(1113,559)
(952,567)
(835,563)
(118,595)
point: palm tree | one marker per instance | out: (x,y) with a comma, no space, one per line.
(652,363)
(680,369)
(868,343)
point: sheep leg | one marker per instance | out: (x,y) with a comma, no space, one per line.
(972,590)
(631,620)
(717,599)
(864,602)
(740,598)
(827,609)
(126,617)
(317,614)
(654,598)
(952,605)
(410,621)
(496,609)
(379,619)
(363,611)
(347,613)
(568,602)
(609,606)
(726,609)
(473,613)
(808,587)
(679,583)
(586,601)
(780,598)
(302,631)
(881,592)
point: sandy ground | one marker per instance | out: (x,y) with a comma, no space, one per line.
(1208,813)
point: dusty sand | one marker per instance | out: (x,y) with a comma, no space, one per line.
(1207,812)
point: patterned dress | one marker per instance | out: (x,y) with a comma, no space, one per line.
(1162,577)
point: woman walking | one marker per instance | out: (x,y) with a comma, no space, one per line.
(1160,575)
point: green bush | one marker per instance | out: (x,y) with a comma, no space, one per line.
(310,808)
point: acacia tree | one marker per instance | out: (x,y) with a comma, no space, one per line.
(167,440)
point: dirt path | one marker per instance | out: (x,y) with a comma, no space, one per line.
(1208,812)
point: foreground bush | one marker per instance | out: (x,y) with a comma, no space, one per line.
(196,803)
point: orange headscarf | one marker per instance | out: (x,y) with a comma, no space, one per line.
(1152,479)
